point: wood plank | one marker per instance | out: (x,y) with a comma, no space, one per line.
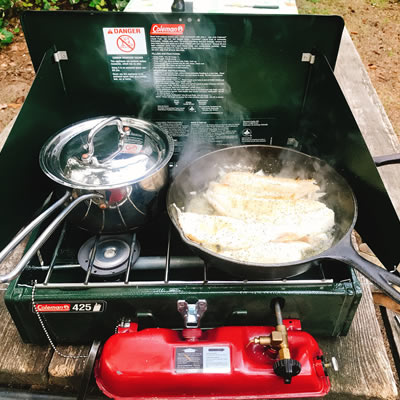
(11,261)
(394,327)
(364,367)
(67,372)
(20,363)
(365,370)
(369,113)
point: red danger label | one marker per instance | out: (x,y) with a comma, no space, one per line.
(131,31)
(126,43)
(53,307)
(167,29)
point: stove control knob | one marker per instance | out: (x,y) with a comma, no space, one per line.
(287,369)
(333,364)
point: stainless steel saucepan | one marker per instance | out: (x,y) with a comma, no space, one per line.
(110,172)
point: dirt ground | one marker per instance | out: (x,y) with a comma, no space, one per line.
(16,77)
(374,26)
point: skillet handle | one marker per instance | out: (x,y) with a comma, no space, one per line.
(387,159)
(379,276)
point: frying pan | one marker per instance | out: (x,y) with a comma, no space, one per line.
(287,163)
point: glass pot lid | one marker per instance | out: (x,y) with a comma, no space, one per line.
(105,152)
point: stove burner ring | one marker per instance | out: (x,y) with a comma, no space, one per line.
(112,255)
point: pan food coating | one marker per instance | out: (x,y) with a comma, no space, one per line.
(260,185)
(246,205)
(256,218)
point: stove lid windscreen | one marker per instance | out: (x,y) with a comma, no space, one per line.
(223,79)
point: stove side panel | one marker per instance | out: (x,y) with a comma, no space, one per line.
(25,187)
(329,131)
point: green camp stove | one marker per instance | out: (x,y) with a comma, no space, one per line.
(76,310)
(210,81)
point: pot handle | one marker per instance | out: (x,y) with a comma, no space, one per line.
(387,159)
(87,157)
(45,234)
(31,226)
(381,277)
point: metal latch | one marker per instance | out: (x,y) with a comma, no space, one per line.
(192,313)
(60,55)
(292,142)
(308,57)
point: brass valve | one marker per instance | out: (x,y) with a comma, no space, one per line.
(274,339)
(285,367)
(284,352)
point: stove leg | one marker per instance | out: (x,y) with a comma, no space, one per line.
(88,371)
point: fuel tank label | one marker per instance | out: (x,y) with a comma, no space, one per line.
(203,359)
(70,307)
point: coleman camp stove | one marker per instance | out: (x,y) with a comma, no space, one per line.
(209,81)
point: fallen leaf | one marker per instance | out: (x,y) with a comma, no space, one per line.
(354,33)
(372,66)
(13,105)
(20,100)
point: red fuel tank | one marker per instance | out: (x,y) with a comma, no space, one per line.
(220,363)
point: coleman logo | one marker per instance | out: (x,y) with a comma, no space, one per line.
(53,307)
(167,29)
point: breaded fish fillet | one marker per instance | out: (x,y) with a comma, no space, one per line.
(312,216)
(262,219)
(220,233)
(270,186)
(270,253)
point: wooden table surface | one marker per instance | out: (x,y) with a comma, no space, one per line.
(365,370)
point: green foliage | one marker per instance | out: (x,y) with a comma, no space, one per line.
(6,37)
(119,5)
(101,5)
(12,8)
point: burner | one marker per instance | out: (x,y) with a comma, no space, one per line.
(112,255)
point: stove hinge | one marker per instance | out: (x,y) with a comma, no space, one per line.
(192,313)
(60,56)
(308,57)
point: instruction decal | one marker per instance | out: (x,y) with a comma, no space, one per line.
(127,55)
(202,359)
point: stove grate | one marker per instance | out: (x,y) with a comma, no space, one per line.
(162,264)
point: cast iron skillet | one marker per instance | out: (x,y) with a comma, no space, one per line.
(288,163)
